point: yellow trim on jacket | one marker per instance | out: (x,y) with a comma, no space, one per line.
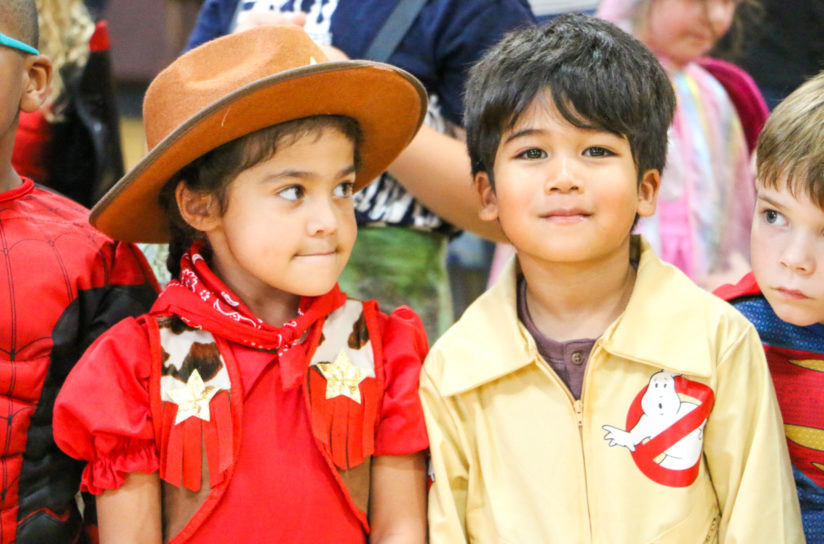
(516,459)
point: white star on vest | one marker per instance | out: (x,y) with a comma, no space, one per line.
(342,377)
(193,400)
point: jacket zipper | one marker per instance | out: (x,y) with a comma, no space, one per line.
(578,405)
(578,408)
(579,412)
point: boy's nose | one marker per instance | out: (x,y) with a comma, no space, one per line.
(562,179)
(797,257)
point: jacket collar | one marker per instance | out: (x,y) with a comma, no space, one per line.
(665,325)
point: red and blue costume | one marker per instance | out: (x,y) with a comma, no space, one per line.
(796,358)
(62,283)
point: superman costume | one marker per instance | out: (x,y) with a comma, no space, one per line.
(796,358)
(62,283)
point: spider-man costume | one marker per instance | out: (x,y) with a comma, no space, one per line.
(62,283)
(796,358)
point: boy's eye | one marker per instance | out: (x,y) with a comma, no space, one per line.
(533,153)
(293,192)
(773,217)
(596,151)
(345,189)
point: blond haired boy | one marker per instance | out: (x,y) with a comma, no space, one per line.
(783,296)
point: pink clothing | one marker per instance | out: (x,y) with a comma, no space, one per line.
(707,193)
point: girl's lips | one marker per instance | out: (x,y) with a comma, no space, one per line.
(791,293)
(317,254)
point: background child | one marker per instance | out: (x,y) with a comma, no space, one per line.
(62,283)
(703,216)
(266,406)
(594,394)
(72,143)
(784,294)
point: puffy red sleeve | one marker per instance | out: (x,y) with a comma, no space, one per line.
(401,428)
(102,413)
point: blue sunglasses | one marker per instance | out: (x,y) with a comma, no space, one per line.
(17,44)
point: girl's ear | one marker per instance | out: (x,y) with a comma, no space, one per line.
(489,201)
(200,210)
(38,74)
(648,192)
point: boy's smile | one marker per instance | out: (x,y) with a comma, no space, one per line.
(562,193)
(787,248)
(289,224)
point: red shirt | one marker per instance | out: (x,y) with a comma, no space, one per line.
(282,488)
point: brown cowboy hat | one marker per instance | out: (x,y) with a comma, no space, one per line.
(237,84)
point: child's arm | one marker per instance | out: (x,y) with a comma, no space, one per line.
(448,494)
(397,507)
(131,513)
(102,415)
(746,451)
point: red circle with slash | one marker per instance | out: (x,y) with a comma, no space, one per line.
(646,452)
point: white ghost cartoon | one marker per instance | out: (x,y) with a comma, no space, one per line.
(662,407)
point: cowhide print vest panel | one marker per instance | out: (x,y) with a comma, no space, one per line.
(345,336)
(184,350)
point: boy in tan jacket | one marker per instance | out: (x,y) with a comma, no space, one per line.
(594,394)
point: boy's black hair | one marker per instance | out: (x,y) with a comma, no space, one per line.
(19,17)
(213,172)
(599,77)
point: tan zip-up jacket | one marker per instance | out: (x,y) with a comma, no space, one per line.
(677,437)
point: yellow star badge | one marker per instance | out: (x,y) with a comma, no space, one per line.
(193,400)
(342,377)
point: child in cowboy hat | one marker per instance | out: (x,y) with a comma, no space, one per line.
(255,401)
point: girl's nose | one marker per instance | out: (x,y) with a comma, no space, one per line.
(323,217)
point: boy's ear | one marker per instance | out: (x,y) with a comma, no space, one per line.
(489,201)
(38,75)
(199,210)
(648,192)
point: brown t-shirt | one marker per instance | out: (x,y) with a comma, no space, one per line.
(567,359)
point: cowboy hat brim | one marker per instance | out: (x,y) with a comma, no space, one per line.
(388,103)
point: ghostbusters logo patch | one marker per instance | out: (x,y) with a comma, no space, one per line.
(665,431)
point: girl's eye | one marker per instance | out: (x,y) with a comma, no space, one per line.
(596,151)
(345,189)
(533,153)
(293,192)
(773,217)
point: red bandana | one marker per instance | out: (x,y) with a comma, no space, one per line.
(203,301)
